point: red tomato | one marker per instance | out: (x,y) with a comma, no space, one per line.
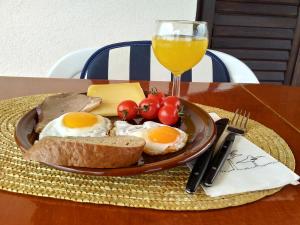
(148,108)
(127,110)
(154,94)
(155,97)
(172,100)
(168,115)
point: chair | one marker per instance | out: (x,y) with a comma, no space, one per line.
(238,71)
(135,61)
(70,65)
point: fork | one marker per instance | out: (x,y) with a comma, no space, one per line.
(237,126)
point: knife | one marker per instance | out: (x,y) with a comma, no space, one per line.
(218,160)
(203,160)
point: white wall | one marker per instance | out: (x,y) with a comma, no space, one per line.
(36,33)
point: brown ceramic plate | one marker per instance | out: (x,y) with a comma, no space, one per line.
(196,122)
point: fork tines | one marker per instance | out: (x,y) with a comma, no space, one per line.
(240,120)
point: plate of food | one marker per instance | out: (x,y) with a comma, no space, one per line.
(114,130)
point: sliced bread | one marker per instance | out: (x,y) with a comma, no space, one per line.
(92,152)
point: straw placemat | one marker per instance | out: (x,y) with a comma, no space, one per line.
(161,190)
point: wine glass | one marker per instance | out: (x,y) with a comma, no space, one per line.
(179,45)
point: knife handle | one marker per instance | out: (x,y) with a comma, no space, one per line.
(198,171)
(218,160)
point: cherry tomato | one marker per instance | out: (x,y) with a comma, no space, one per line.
(148,108)
(155,97)
(127,110)
(154,94)
(168,115)
(172,100)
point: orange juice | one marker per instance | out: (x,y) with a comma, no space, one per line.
(179,53)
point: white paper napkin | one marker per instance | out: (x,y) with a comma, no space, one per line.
(249,168)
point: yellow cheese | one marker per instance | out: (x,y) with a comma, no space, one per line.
(113,94)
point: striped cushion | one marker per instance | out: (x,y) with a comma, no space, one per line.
(136,61)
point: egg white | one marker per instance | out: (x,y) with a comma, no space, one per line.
(57,128)
(152,148)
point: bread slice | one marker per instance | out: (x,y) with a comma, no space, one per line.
(92,152)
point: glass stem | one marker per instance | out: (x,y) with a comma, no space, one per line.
(176,86)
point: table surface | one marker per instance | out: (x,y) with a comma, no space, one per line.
(277,107)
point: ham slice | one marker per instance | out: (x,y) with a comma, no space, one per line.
(57,105)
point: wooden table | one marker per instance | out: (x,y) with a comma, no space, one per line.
(277,107)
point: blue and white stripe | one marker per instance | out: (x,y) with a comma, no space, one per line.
(136,61)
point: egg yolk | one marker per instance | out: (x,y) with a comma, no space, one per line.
(79,119)
(163,134)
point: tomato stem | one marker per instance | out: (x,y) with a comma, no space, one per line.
(124,113)
(181,111)
(153,90)
(144,108)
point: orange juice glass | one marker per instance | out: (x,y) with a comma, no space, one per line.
(179,46)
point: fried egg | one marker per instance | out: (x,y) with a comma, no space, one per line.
(160,139)
(77,124)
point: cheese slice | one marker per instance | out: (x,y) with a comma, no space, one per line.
(113,94)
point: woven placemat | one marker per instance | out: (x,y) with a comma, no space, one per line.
(162,190)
